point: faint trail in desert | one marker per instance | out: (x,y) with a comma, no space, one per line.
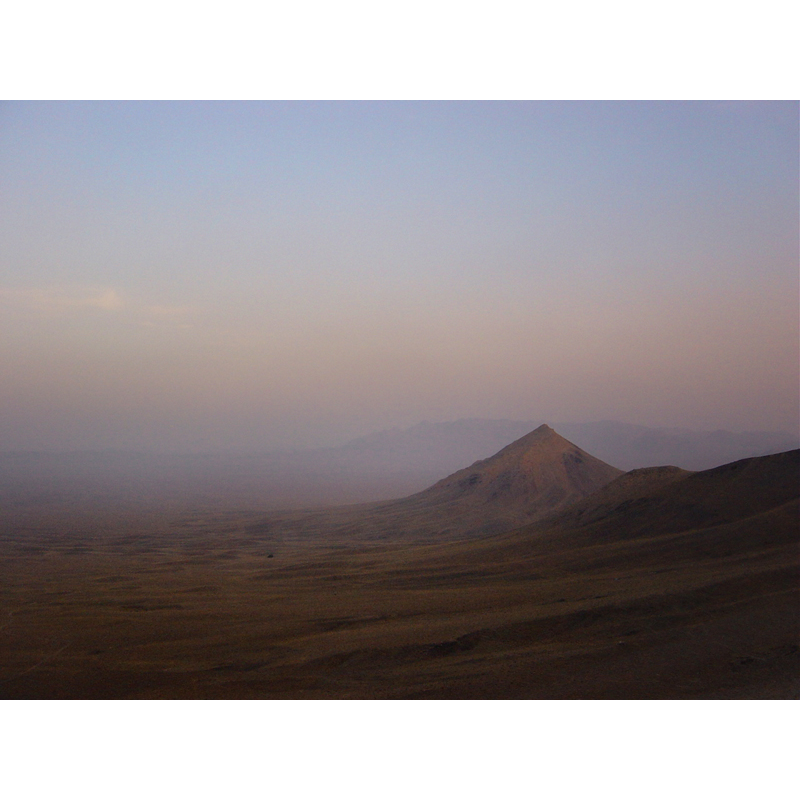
(37,665)
(11,615)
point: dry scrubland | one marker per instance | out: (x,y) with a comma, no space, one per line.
(658,583)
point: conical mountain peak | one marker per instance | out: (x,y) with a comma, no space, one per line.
(544,433)
(541,444)
(539,473)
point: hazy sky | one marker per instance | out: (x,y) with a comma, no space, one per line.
(195,276)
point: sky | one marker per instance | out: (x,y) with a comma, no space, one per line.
(245,276)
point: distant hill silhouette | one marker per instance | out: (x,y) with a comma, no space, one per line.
(388,464)
(635,446)
(444,446)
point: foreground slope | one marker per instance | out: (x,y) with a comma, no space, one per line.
(652,502)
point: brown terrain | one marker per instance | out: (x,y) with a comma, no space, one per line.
(540,572)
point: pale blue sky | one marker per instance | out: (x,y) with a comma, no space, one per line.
(235,275)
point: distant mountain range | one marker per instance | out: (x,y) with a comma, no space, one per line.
(446,446)
(391,463)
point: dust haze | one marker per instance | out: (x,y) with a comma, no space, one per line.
(399,400)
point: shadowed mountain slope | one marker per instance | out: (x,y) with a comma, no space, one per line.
(699,500)
(743,501)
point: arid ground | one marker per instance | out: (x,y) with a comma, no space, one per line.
(661,584)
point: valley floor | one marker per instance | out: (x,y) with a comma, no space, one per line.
(94,605)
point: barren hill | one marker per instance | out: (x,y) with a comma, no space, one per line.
(534,476)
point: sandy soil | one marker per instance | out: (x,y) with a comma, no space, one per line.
(97,605)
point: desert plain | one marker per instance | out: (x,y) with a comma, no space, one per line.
(597,584)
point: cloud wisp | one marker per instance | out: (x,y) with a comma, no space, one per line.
(71,302)
(53,300)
